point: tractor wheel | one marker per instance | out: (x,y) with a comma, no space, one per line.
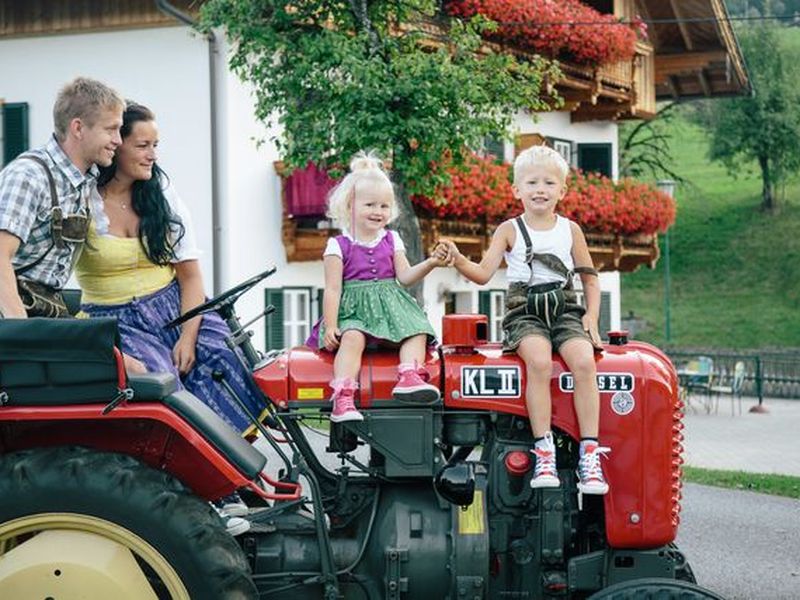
(74,520)
(655,589)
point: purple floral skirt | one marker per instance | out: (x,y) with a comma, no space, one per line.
(141,326)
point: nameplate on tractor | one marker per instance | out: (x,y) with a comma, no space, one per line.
(606,382)
(490,382)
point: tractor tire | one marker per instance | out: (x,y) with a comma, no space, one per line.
(177,542)
(655,589)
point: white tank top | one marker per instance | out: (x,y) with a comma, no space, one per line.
(557,241)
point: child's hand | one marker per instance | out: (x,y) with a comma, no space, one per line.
(441,255)
(590,327)
(331,339)
(453,253)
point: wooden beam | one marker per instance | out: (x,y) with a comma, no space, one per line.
(674,88)
(704,82)
(673,64)
(684,28)
(601,112)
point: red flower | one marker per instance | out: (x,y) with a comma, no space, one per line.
(566,29)
(482,189)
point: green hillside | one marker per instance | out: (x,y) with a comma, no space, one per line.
(735,271)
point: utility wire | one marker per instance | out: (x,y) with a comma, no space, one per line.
(649,21)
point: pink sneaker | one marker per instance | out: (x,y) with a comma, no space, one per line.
(413,387)
(343,398)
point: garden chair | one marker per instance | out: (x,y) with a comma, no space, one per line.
(734,389)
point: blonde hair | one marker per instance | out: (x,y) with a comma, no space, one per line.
(366,169)
(83,98)
(536,156)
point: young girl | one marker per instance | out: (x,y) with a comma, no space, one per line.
(543,250)
(363,303)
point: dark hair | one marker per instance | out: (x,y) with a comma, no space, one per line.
(156,219)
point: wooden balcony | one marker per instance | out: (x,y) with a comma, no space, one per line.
(609,252)
(621,90)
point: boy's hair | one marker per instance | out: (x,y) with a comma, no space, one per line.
(82,98)
(540,156)
(365,169)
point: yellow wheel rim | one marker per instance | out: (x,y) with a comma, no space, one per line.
(11,531)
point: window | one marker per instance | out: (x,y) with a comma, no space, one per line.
(296,311)
(492,303)
(296,315)
(14,130)
(494,146)
(595,158)
(563,147)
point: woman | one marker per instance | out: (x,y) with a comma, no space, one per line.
(140,265)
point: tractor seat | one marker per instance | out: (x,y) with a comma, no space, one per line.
(58,362)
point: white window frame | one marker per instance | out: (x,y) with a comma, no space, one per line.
(497,310)
(564,148)
(296,327)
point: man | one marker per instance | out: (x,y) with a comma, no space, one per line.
(33,241)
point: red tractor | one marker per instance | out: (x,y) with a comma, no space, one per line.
(106,481)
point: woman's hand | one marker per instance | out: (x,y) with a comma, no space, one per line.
(331,339)
(590,327)
(133,366)
(184,354)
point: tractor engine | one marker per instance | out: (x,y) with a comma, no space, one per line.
(443,508)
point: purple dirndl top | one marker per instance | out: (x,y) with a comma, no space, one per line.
(363,263)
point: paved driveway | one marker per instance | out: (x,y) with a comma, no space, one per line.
(742,545)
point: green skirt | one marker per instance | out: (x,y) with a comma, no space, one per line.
(382,310)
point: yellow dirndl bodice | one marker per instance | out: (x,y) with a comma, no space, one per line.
(115,270)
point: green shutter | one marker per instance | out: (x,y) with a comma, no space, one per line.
(320,297)
(605,314)
(15,130)
(485,303)
(274,322)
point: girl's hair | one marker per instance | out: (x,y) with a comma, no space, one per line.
(160,229)
(536,156)
(366,169)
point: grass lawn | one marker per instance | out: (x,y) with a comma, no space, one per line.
(735,271)
(776,485)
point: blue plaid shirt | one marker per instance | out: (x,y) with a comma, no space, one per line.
(25,210)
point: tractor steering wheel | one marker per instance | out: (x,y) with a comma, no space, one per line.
(223,302)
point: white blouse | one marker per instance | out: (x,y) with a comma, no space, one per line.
(333,248)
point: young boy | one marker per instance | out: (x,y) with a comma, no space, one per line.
(543,250)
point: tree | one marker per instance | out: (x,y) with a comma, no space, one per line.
(644,147)
(400,78)
(764,127)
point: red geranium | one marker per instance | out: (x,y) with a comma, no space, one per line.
(563,29)
(481,189)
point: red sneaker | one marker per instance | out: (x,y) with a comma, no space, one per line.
(411,387)
(545,474)
(590,471)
